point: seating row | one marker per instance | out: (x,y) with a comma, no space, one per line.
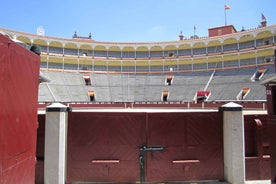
(119,87)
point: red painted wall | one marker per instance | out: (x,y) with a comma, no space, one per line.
(185,136)
(118,136)
(271,108)
(257,147)
(219,31)
(272,130)
(19,75)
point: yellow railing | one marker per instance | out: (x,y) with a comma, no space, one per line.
(89,61)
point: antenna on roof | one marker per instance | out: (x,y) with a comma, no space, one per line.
(40,31)
(181,36)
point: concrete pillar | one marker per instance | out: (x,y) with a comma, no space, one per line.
(55,144)
(233,143)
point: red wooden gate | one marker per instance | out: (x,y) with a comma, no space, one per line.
(151,147)
(104,147)
(193,147)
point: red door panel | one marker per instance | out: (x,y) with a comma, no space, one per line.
(104,147)
(193,147)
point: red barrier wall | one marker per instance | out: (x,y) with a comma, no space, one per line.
(272,130)
(192,137)
(257,147)
(19,76)
(118,137)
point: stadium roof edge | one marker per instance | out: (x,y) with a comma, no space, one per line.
(31,36)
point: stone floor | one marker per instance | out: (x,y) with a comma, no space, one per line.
(190,182)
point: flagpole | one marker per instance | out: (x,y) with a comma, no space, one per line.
(226,7)
(225,20)
(194,32)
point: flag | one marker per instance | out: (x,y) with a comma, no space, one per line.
(194,31)
(226,7)
(263,17)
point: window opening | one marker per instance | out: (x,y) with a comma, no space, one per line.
(91,95)
(165,96)
(266,42)
(169,80)
(243,93)
(87,80)
(258,74)
(202,96)
(171,54)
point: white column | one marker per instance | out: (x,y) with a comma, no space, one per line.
(233,143)
(55,144)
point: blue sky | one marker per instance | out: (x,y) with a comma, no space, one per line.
(132,20)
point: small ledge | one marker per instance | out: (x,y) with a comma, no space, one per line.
(105,161)
(185,161)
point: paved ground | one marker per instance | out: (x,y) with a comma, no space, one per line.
(258,182)
(195,182)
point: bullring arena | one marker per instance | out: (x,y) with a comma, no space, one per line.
(153,112)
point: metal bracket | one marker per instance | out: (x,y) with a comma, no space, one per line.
(142,159)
